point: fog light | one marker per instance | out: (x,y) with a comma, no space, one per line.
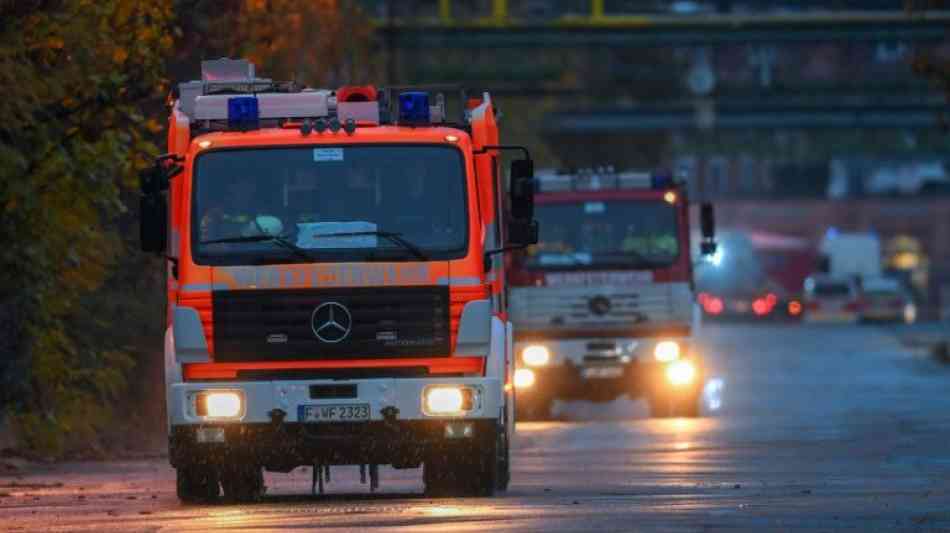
(666,351)
(220,404)
(536,355)
(448,400)
(681,373)
(524,378)
(204,435)
(459,430)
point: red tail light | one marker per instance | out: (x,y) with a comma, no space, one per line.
(761,307)
(713,305)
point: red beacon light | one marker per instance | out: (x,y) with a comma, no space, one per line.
(357,93)
(357,104)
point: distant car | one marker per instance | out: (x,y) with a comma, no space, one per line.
(829,299)
(885,299)
(753,305)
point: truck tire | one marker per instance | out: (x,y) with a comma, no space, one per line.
(665,407)
(196,484)
(534,409)
(504,462)
(464,472)
(243,483)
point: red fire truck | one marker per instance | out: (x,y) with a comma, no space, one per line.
(336,283)
(603,305)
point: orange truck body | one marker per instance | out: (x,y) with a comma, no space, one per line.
(361,409)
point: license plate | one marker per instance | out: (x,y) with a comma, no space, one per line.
(602,372)
(349,412)
(741,306)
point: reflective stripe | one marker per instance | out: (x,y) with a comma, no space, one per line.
(459,281)
(175,243)
(203,287)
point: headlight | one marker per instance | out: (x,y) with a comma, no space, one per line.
(536,355)
(667,351)
(219,404)
(448,400)
(681,373)
(524,378)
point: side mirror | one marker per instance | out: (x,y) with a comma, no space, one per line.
(707,221)
(153,180)
(522,189)
(522,232)
(707,225)
(153,223)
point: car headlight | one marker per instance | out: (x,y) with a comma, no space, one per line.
(219,404)
(444,400)
(536,355)
(667,351)
(681,373)
(524,378)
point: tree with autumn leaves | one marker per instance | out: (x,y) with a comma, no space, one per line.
(76,77)
(82,91)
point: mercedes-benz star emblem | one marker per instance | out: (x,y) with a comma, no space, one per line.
(331,322)
(599,305)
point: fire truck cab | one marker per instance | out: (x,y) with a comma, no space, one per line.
(336,283)
(603,305)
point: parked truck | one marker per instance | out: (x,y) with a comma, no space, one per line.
(336,282)
(603,304)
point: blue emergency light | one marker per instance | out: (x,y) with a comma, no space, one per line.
(243,113)
(414,107)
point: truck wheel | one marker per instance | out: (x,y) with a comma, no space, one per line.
(665,407)
(534,409)
(660,407)
(460,472)
(242,483)
(504,462)
(196,484)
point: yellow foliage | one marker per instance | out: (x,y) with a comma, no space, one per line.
(119,55)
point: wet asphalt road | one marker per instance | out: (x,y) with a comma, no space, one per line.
(820,428)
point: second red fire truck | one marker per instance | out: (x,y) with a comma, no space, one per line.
(603,305)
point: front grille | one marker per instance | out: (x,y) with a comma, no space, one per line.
(282,325)
(343,374)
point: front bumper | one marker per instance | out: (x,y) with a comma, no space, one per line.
(281,447)
(568,381)
(271,433)
(263,397)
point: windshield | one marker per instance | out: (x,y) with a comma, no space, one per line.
(605,234)
(354,203)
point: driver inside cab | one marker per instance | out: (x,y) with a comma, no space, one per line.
(237,213)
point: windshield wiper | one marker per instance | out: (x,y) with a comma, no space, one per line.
(393,237)
(276,239)
(639,259)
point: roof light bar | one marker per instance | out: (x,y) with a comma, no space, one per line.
(601,179)
(414,107)
(243,113)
